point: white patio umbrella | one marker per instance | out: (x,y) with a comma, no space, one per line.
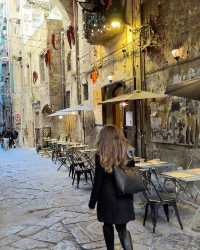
(135,95)
(74,110)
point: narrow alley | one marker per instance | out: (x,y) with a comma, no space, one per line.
(40,209)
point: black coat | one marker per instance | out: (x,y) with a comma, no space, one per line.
(111,208)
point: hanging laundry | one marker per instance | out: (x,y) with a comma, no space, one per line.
(54,41)
(35,76)
(48,58)
(71,36)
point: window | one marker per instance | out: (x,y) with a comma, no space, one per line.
(42,69)
(85,91)
(67,99)
(69,65)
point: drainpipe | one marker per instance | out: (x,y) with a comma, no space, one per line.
(138,75)
(144,103)
(78,81)
(76,13)
(62,56)
(31,90)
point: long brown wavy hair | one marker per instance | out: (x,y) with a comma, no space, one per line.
(112,148)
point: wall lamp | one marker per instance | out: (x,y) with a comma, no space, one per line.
(178,53)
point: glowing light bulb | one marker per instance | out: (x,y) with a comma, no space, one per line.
(123,104)
(115,24)
(110,77)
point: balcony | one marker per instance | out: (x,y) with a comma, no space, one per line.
(101,24)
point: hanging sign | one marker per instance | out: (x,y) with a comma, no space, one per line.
(129,118)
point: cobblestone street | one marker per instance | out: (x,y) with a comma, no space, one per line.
(40,209)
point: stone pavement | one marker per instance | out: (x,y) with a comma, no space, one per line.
(40,209)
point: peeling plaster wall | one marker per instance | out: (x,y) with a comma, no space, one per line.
(177,26)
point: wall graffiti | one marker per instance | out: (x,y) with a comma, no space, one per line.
(175,120)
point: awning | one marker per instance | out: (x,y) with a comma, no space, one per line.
(136,95)
(58,113)
(190,89)
(72,110)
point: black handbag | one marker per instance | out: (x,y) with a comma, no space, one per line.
(128,181)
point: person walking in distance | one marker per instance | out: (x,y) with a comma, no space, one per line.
(15,136)
(6,139)
(112,209)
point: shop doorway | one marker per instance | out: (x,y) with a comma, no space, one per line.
(113,113)
(37,136)
(118,110)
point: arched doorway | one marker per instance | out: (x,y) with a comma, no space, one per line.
(113,113)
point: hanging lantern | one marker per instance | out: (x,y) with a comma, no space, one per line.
(94,75)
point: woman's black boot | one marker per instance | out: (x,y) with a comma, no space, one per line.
(125,239)
(108,232)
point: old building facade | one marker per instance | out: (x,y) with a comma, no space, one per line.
(5,88)
(96,55)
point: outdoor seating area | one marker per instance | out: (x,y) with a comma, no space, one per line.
(75,157)
(167,185)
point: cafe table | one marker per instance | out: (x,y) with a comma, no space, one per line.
(183,180)
(88,150)
(80,146)
(46,139)
(157,165)
(53,141)
(138,159)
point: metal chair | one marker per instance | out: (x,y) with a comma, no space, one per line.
(80,166)
(156,197)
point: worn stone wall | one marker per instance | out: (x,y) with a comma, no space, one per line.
(176,25)
(55,74)
(45,90)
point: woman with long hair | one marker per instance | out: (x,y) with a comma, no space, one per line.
(112,209)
